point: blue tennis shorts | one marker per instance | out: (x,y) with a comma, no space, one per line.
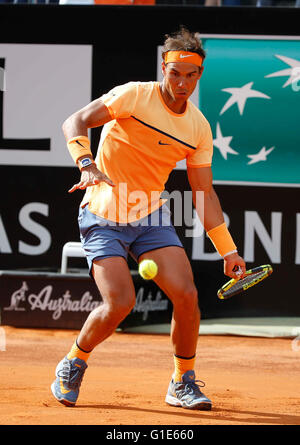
(102,238)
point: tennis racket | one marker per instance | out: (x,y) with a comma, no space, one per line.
(252,277)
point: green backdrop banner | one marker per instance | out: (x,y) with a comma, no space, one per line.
(250,94)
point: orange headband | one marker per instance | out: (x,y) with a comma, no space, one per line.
(183,56)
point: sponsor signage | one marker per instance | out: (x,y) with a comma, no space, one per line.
(266,229)
(65,301)
(250,94)
(40,86)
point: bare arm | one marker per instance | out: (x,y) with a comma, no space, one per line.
(200,180)
(93,115)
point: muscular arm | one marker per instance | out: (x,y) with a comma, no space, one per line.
(200,180)
(93,115)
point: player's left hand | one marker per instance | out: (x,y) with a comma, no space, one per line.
(231,263)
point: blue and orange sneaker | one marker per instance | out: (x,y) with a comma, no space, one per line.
(187,393)
(69,374)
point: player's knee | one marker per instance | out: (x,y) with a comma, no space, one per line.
(127,304)
(187,298)
(121,304)
(191,297)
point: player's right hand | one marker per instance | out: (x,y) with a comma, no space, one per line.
(90,176)
(233,262)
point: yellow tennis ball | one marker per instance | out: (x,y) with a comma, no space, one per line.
(148,269)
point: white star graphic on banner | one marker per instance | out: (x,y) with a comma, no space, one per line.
(260,156)
(293,72)
(240,95)
(222,143)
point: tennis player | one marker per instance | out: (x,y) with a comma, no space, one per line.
(148,128)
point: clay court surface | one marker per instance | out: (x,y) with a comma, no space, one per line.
(251,381)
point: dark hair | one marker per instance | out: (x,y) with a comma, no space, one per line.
(183,40)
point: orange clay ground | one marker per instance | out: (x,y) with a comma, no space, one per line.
(251,381)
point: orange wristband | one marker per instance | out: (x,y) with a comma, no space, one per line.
(79,146)
(221,239)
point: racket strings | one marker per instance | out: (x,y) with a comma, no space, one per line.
(246,280)
(252,277)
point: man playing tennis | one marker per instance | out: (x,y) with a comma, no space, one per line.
(148,128)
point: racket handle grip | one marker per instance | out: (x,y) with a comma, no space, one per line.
(238,271)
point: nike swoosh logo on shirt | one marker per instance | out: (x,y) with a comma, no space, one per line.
(163,133)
